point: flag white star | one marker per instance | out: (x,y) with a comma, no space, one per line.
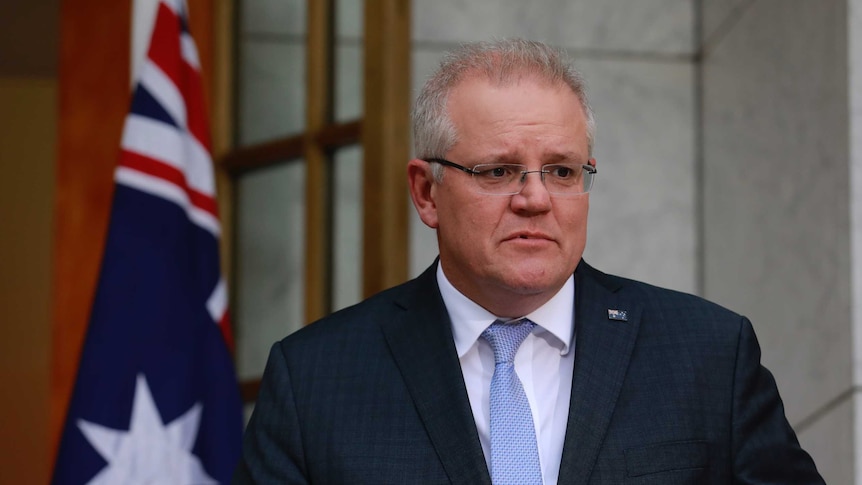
(149,452)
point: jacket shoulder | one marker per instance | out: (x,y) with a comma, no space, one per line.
(664,303)
(357,321)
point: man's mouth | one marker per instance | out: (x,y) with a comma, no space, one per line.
(530,236)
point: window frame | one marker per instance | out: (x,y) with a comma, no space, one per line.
(382,131)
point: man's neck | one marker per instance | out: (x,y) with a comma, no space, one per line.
(504,303)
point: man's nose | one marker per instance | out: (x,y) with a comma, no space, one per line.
(534,196)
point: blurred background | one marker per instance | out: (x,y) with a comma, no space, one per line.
(729,145)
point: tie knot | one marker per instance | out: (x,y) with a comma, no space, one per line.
(506,337)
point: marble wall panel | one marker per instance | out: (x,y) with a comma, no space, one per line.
(854,37)
(645,26)
(714,14)
(776,194)
(829,440)
(643,210)
(855,110)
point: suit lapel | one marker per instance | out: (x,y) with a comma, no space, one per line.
(603,349)
(421,342)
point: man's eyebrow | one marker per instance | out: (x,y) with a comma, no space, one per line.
(500,158)
(563,157)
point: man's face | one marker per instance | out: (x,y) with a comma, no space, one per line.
(510,253)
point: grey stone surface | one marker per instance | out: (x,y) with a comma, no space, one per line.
(643,220)
(714,15)
(776,196)
(645,26)
(829,440)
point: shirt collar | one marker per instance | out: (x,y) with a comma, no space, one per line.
(469,319)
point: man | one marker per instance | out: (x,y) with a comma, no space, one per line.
(443,380)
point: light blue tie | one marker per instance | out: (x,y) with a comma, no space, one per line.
(514,452)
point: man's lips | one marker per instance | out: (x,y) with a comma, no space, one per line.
(529,236)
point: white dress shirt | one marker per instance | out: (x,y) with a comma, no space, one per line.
(544,363)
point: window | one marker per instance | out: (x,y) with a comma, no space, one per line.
(316,171)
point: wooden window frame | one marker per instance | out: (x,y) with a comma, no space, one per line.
(383,133)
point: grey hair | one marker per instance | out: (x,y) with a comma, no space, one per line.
(502,62)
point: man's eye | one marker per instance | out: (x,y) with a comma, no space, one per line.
(497,172)
(562,171)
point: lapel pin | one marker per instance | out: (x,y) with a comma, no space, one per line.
(618,315)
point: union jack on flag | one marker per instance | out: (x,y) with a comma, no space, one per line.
(156,397)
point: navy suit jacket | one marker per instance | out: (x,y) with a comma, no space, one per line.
(673,395)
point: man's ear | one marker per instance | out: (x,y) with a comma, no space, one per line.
(423,191)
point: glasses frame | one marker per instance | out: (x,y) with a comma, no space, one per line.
(586,167)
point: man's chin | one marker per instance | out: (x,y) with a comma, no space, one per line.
(527,279)
(535,286)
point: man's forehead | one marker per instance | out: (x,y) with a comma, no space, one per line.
(477,89)
(485,121)
(479,92)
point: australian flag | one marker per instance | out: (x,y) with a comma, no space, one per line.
(156,397)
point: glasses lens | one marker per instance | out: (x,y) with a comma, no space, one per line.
(564,179)
(498,178)
(508,179)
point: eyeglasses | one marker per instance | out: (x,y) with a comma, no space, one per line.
(560,179)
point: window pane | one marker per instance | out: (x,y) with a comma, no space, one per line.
(278,17)
(271,70)
(347,227)
(270,261)
(348,59)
